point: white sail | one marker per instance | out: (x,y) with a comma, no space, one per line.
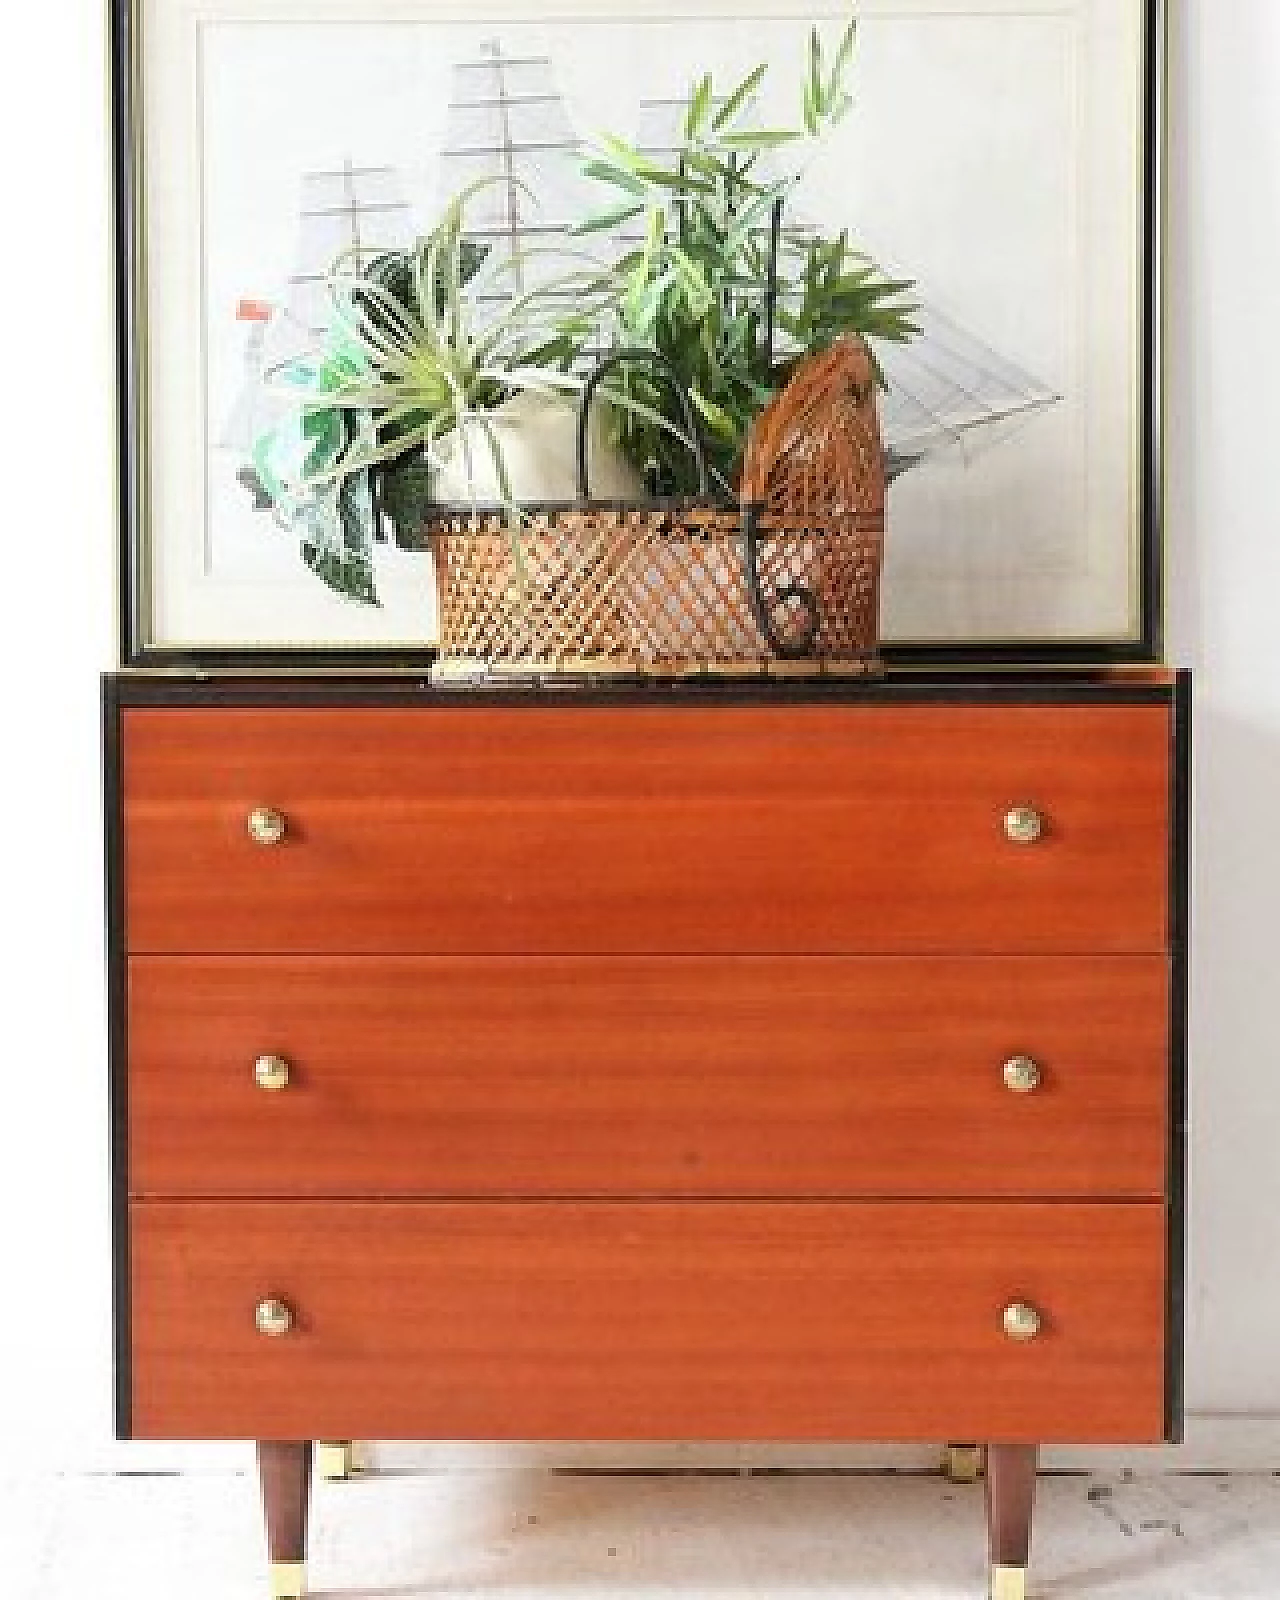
(508,128)
(352,211)
(349,209)
(239,431)
(948,392)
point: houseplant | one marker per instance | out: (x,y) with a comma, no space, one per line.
(451,385)
(723,284)
(469,403)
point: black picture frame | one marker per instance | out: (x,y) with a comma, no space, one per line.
(138,651)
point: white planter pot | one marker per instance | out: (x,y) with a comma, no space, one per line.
(537,436)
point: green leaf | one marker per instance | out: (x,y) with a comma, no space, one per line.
(761,139)
(738,99)
(693,281)
(606,172)
(810,110)
(814,94)
(642,306)
(654,234)
(699,105)
(677,182)
(705,165)
(627,155)
(605,220)
(843,55)
(716,417)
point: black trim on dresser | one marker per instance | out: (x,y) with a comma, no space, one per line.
(118,1058)
(1115,687)
(1179,1022)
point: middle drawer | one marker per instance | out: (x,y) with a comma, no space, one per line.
(648,1076)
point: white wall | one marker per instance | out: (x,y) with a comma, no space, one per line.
(56,610)
(56,633)
(1224,503)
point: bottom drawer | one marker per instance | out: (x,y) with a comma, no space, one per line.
(748,1320)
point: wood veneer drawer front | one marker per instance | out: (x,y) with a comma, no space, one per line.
(639,1321)
(596,829)
(648,1075)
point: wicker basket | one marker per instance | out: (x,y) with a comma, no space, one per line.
(790,575)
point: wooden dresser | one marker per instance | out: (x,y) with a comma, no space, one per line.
(776,1063)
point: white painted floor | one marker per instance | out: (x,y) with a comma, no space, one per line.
(536,1535)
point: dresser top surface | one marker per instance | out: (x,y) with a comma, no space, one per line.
(1124,685)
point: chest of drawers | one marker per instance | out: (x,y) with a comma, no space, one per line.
(791,1063)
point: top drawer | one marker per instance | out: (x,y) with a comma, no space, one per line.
(799,829)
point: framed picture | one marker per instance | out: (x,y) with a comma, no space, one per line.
(991,173)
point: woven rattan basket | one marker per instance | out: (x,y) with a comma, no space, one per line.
(791,575)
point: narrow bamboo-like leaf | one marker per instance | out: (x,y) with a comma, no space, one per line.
(677,182)
(715,416)
(761,138)
(814,91)
(699,105)
(844,52)
(693,279)
(624,401)
(606,172)
(810,112)
(703,164)
(625,154)
(740,96)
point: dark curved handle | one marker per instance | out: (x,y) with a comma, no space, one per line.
(788,650)
(653,358)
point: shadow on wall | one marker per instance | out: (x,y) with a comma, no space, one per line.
(1222,417)
(1186,341)
(1234,1310)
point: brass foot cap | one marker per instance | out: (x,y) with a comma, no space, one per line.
(962,1463)
(1008,1583)
(335,1461)
(288,1580)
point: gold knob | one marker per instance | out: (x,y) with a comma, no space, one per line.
(273,1318)
(1023,825)
(266,826)
(271,1073)
(1022,1075)
(1021,1322)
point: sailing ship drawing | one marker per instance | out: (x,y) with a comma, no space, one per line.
(510,137)
(350,211)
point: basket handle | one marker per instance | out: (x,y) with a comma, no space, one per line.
(653,358)
(787,649)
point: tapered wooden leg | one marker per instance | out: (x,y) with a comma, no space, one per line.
(285,1471)
(1010,1492)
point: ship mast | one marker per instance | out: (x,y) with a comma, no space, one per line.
(508,164)
(508,126)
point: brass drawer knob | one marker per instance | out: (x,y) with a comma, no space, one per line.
(273,1318)
(271,1073)
(1021,1322)
(266,825)
(1022,1075)
(1023,825)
